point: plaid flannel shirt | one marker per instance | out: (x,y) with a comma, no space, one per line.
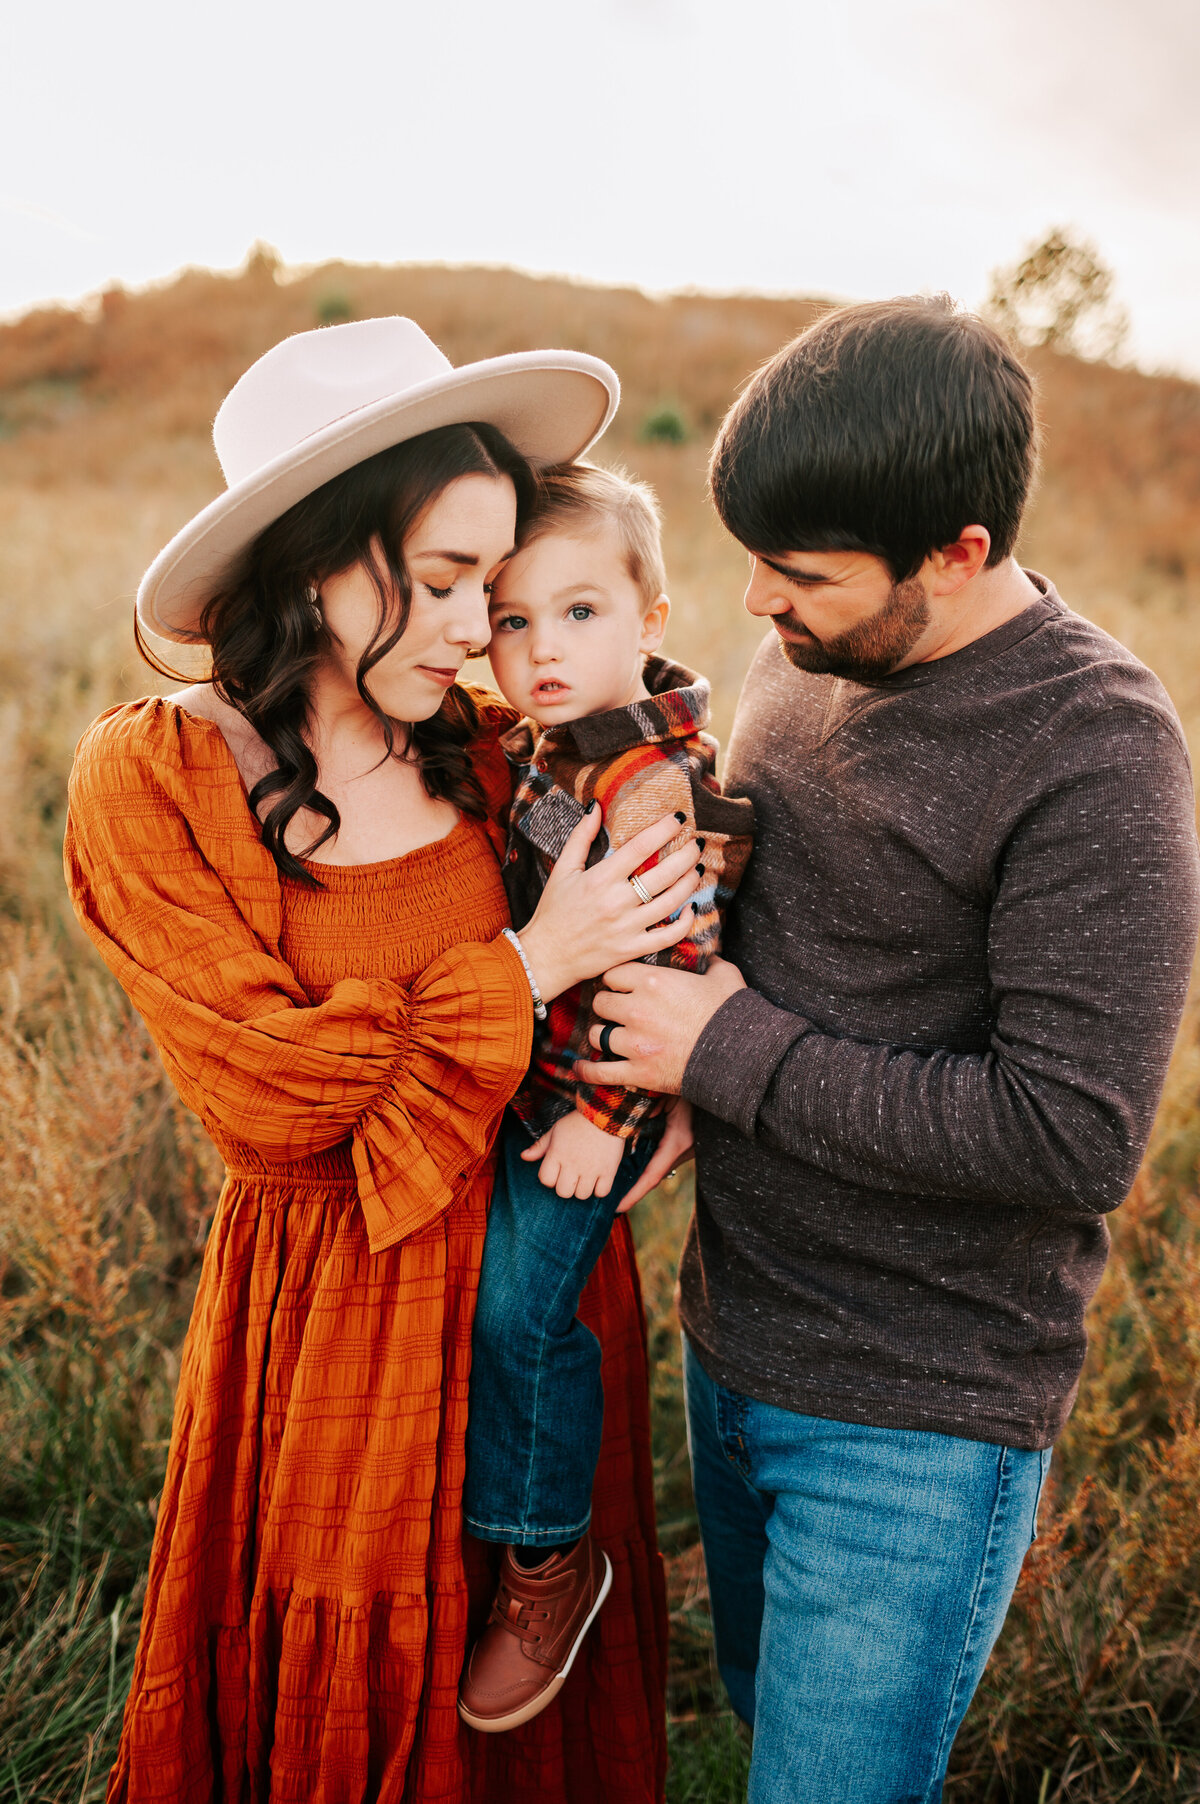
(642,762)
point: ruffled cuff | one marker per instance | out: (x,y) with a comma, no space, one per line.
(420,1145)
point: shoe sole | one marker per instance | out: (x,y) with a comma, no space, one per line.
(495,1725)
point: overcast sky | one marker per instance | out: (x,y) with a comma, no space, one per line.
(850,147)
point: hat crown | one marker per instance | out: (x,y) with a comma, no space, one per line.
(308,381)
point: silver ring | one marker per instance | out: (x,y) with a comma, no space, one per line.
(640,890)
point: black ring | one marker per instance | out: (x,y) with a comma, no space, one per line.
(606,1033)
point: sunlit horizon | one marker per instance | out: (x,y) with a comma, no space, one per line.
(849,153)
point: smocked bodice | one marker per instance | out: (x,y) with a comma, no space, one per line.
(391,920)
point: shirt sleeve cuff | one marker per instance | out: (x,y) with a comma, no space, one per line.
(737,1055)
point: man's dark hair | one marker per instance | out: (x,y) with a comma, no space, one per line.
(886,427)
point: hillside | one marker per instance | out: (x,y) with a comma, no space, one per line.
(105,448)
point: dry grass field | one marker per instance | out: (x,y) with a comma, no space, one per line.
(106,1184)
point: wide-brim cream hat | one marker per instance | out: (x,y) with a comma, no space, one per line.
(321,401)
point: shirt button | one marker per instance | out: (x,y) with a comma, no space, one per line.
(512,857)
(542,766)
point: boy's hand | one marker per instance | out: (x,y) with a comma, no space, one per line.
(578,1158)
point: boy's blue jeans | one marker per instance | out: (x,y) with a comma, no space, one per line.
(858,1578)
(537,1405)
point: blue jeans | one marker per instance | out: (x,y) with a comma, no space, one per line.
(858,1579)
(536,1406)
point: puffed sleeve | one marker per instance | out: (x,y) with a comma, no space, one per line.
(182,903)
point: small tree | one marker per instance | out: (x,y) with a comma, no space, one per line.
(1060,296)
(333,309)
(664,426)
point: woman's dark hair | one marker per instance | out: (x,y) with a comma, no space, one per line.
(884,428)
(266,633)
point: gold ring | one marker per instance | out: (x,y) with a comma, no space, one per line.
(640,890)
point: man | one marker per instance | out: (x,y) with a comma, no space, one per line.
(930,1065)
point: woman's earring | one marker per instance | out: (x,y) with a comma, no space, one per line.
(314,602)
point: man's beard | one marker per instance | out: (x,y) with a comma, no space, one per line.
(873,647)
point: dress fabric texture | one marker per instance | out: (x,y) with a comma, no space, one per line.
(350,1050)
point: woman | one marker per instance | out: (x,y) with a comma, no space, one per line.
(293,872)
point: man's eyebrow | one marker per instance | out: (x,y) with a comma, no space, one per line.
(800,576)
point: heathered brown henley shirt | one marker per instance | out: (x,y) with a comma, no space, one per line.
(967,927)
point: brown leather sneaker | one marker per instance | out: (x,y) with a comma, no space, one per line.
(538,1622)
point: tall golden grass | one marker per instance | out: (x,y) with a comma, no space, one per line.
(106,1183)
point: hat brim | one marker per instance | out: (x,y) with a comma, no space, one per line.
(552,405)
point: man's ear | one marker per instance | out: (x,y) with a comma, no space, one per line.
(654,624)
(954,566)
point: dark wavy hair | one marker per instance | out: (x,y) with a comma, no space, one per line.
(267,636)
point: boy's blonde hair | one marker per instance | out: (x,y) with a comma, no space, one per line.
(577,493)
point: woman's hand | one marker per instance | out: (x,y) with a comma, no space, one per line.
(673,1149)
(588,921)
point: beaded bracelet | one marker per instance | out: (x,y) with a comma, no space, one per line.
(539,1007)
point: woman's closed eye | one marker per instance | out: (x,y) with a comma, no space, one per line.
(442,594)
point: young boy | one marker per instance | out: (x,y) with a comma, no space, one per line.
(577,615)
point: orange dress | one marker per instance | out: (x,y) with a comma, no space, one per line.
(350,1050)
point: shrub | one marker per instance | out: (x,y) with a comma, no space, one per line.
(664,426)
(333,309)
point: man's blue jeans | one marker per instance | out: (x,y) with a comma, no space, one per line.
(858,1579)
(536,1407)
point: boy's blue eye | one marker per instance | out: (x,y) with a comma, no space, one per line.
(581,611)
(511,623)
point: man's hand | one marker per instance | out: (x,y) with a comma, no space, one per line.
(673,1149)
(660,1014)
(578,1158)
